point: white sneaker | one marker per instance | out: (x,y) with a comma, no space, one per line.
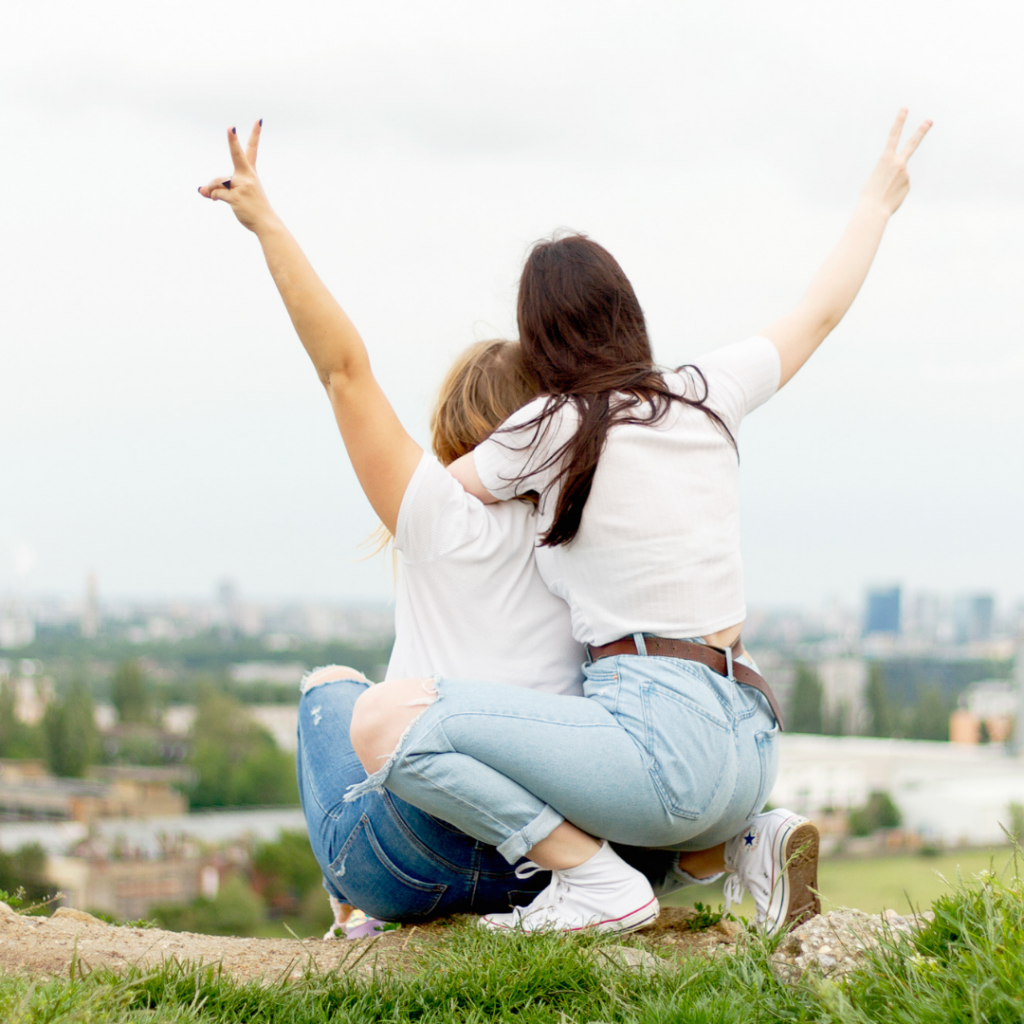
(776,861)
(603,893)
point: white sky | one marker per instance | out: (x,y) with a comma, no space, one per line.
(159,421)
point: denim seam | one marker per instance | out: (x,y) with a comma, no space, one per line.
(415,840)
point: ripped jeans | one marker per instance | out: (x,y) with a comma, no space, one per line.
(384,856)
(660,752)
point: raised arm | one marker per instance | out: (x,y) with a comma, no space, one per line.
(383,454)
(836,284)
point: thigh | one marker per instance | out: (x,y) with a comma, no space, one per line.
(385,856)
(570,752)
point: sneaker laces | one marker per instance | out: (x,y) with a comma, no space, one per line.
(553,893)
(733,889)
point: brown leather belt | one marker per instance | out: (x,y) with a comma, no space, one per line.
(713,657)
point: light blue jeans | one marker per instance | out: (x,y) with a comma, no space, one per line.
(660,752)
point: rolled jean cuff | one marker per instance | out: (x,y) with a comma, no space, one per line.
(519,843)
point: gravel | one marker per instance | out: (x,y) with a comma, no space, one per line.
(836,942)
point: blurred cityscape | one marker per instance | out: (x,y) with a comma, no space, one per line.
(147,747)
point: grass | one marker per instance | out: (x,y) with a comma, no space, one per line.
(875,884)
(968,965)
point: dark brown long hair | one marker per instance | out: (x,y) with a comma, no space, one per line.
(584,337)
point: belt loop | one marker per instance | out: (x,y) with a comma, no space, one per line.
(641,645)
(728,664)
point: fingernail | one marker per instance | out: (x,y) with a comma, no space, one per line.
(261,122)
(226,184)
(234,131)
(200,190)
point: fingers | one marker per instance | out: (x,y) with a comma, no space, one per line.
(219,188)
(253,143)
(914,141)
(897,129)
(237,155)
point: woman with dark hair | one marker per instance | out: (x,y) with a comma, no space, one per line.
(639,533)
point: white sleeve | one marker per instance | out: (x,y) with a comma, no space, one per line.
(436,515)
(740,377)
(518,456)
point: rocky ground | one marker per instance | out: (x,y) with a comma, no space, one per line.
(831,943)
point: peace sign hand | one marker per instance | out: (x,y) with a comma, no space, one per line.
(889,182)
(242,191)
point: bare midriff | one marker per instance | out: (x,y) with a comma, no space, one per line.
(725,637)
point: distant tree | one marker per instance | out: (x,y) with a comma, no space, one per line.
(881,719)
(16,738)
(805,704)
(834,724)
(284,871)
(878,812)
(129,693)
(236,761)
(235,910)
(25,868)
(929,718)
(69,732)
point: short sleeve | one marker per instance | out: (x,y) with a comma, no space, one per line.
(436,515)
(740,377)
(519,455)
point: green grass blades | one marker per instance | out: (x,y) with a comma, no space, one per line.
(968,965)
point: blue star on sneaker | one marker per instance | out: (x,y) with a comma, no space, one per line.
(749,838)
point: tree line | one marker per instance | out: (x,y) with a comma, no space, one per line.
(924,718)
(233,760)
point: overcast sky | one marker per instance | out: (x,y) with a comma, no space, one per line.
(160,423)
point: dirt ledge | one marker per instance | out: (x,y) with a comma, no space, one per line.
(47,946)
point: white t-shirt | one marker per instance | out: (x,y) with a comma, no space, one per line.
(658,549)
(470,602)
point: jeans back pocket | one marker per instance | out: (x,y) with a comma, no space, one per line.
(768,755)
(692,751)
(374,883)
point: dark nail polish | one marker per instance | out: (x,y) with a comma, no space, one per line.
(200,190)
(234,131)
(226,184)
(261,122)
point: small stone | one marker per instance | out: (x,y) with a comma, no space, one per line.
(730,929)
(826,962)
(628,958)
(825,950)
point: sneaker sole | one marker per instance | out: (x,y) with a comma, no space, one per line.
(801,854)
(631,922)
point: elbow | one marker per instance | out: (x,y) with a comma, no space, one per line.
(337,381)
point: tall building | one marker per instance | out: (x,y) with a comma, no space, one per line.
(972,617)
(883,611)
(91,612)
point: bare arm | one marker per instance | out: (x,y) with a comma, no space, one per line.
(464,470)
(836,284)
(383,454)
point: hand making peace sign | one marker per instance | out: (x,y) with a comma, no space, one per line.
(889,182)
(242,191)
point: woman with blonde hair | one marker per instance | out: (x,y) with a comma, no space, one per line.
(469,599)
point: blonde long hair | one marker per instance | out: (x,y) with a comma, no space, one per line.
(482,388)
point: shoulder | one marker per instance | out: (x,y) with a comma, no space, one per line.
(734,379)
(436,514)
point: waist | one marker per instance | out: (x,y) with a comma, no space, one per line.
(723,662)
